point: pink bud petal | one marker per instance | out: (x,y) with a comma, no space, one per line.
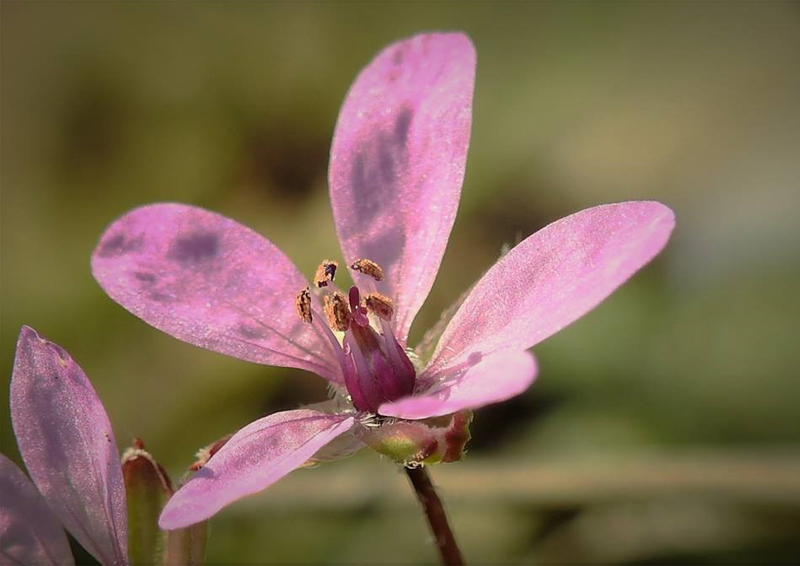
(491,380)
(29,532)
(552,278)
(397,163)
(212,282)
(66,441)
(254,458)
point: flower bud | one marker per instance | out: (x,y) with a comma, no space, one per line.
(147,488)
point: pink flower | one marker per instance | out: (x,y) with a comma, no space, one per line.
(66,441)
(396,168)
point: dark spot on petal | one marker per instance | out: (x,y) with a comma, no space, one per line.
(194,247)
(160,297)
(397,56)
(145,277)
(402,124)
(113,244)
(119,245)
(377,163)
(358,177)
(386,162)
(475,358)
(250,332)
(384,248)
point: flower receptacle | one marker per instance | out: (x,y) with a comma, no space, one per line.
(430,441)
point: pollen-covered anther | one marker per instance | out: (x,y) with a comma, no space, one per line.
(337,312)
(326,272)
(302,304)
(379,305)
(368,267)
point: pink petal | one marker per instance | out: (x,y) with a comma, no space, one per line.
(476,384)
(212,282)
(552,278)
(67,444)
(397,162)
(29,532)
(253,459)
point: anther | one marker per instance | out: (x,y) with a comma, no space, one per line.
(325,273)
(337,311)
(368,267)
(302,304)
(379,305)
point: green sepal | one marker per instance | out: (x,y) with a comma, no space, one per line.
(429,441)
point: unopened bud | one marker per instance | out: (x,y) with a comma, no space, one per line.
(204,454)
(147,488)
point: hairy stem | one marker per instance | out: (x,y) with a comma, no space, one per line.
(437,519)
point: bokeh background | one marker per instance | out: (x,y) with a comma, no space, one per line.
(664,427)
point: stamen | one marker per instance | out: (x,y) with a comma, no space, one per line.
(380,305)
(368,267)
(302,304)
(359,368)
(336,311)
(335,345)
(325,273)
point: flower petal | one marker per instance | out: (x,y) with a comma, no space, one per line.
(398,159)
(487,381)
(208,280)
(552,278)
(67,444)
(29,532)
(253,459)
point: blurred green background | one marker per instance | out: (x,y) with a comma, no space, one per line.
(664,427)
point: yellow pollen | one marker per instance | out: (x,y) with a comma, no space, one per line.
(368,267)
(302,304)
(337,312)
(325,273)
(380,305)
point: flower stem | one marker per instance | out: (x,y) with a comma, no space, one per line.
(437,519)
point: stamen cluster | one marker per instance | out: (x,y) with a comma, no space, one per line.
(376,369)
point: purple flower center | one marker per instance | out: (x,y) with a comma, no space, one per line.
(375,366)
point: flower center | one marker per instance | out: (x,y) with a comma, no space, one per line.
(376,369)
